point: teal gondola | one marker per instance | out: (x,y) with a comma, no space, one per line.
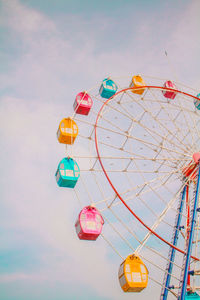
(67,173)
(108,88)
(192,296)
(197,102)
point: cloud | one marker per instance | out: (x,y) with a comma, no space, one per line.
(41,211)
(50,62)
(57,58)
(184,45)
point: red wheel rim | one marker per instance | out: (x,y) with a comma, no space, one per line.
(106,174)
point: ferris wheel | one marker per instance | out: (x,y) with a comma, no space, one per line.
(133,160)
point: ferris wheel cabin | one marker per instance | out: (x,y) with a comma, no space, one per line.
(108,88)
(137,81)
(197,102)
(169,94)
(67,131)
(190,171)
(67,173)
(192,296)
(89,223)
(83,103)
(133,274)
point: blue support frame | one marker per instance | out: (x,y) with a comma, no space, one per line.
(172,250)
(189,250)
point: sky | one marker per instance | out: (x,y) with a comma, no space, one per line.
(49,51)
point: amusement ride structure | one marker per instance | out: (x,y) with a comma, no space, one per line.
(133,161)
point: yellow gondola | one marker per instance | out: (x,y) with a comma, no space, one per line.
(133,274)
(137,81)
(67,131)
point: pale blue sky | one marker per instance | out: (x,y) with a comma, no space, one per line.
(49,51)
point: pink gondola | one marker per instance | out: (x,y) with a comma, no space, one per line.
(83,103)
(169,94)
(89,223)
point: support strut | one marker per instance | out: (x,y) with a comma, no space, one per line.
(171,255)
(186,264)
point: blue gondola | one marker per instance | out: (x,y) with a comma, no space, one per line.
(67,173)
(108,88)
